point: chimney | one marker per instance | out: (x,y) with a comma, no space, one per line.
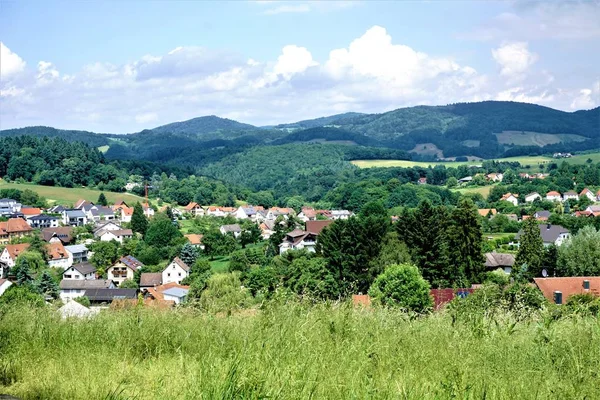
(586,285)
(557,297)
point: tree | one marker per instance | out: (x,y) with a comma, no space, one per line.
(188,254)
(393,251)
(27,264)
(224,292)
(139,223)
(47,286)
(531,249)
(401,285)
(216,243)
(105,255)
(161,232)
(102,200)
(129,284)
(21,295)
(580,256)
(200,273)
(252,234)
(451,182)
(466,241)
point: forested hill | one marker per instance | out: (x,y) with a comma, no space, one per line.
(486,129)
(204,125)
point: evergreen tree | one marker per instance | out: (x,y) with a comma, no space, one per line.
(188,254)
(139,223)
(466,241)
(22,271)
(47,286)
(102,200)
(250,235)
(531,248)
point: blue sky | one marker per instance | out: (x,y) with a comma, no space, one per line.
(125,66)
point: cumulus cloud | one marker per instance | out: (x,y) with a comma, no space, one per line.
(10,63)
(373,73)
(514,59)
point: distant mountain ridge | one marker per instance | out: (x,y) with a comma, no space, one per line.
(485,129)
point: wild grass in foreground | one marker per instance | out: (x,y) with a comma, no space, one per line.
(293,351)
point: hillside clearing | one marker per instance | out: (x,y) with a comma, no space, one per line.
(522,138)
(482,190)
(66,196)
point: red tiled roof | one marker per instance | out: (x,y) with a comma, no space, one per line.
(553,193)
(194,238)
(14,225)
(157,291)
(317,226)
(56,251)
(568,286)
(15,249)
(31,211)
(191,206)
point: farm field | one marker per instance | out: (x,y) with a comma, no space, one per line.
(518,138)
(60,195)
(532,161)
(295,351)
(482,190)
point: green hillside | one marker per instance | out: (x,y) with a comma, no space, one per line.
(203,126)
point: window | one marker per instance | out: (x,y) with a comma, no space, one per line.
(67,276)
(179,274)
(169,274)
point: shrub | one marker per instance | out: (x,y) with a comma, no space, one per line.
(497,277)
(401,285)
(584,303)
(224,292)
(83,300)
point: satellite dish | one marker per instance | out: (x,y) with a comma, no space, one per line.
(544,273)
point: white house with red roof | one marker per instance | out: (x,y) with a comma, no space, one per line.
(587,193)
(511,198)
(553,196)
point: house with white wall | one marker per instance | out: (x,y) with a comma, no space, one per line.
(176,271)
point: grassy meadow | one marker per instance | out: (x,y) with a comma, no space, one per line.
(61,195)
(532,161)
(293,351)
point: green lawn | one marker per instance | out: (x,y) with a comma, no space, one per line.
(60,195)
(220,264)
(532,161)
(483,190)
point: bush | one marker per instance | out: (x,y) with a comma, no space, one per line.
(262,280)
(21,295)
(83,300)
(585,303)
(401,285)
(497,277)
(224,292)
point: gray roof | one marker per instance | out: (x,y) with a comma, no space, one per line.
(85,284)
(231,228)
(84,268)
(42,217)
(110,294)
(176,292)
(497,260)
(76,248)
(150,279)
(101,211)
(548,232)
(542,214)
(75,213)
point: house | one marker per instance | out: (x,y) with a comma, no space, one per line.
(511,198)
(598,196)
(9,207)
(267,227)
(58,257)
(126,213)
(81,271)
(150,279)
(175,272)
(58,209)
(233,228)
(570,195)
(73,288)
(341,214)
(63,234)
(74,217)
(512,217)
(542,215)
(158,293)
(531,197)
(78,253)
(485,212)
(194,209)
(551,234)
(29,212)
(195,240)
(81,203)
(553,196)
(216,211)
(248,212)
(43,221)
(109,226)
(317,226)
(466,179)
(124,269)
(495,177)
(119,235)
(176,294)
(593,210)
(588,193)
(129,186)
(297,240)
(307,214)
(99,296)
(100,213)
(4,284)
(422,181)
(275,212)
(495,260)
(9,256)
(558,290)
(12,229)
(148,211)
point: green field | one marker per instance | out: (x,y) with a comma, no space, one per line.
(482,190)
(296,351)
(103,149)
(518,138)
(60,195)
(525,160)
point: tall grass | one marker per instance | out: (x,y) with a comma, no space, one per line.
(293,351)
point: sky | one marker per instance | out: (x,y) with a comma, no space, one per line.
(124,66)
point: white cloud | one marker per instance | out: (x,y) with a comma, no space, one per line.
(514,59)
(46,73)
(293,60)
(10,63)
(587,98)
(146,117)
